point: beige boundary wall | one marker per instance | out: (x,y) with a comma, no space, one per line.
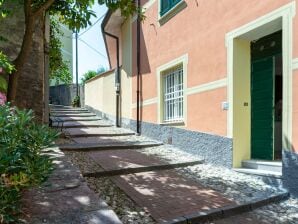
(100,94)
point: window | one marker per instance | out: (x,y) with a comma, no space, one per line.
(173,94)
(166,5)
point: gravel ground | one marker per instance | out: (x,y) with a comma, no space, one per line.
(234,185)
(240,187)
(284,212)
(83,162)
(127,211)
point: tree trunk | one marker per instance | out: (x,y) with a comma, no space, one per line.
(21,59)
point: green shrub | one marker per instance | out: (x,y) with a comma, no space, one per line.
(22,162)
(88,75)
(76,102)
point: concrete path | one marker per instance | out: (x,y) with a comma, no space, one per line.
(166,195)
(151,182)
(65,198)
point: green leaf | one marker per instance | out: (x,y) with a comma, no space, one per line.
(3,84)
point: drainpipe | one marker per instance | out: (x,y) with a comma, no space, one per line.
(138,69)
(117,79)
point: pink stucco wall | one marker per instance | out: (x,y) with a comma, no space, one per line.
(148,113)
(206,115)
(198,30)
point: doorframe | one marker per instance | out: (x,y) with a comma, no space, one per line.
(286,13)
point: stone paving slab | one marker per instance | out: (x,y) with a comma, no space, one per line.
(70,112)
(74,118)
(127,140)
(60,106)
(120,162)
(108,146)
(87,132)
(65,198)
(167,195)
(121,159)
(73,114)
(68,109)
(82,124)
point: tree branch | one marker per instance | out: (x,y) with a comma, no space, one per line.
(43,8)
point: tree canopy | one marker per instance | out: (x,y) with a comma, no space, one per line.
(76,14)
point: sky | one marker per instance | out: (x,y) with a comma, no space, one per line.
(93,56)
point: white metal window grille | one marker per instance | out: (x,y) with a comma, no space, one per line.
(173,94)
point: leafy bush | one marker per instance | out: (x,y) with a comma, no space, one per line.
(76,102)
(5,65)
(88,75)
(59,68)
(22,163)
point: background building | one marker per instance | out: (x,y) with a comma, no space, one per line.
(212,78)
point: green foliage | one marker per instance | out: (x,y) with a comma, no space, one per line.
(5,63)
(22,162)
(76,102)
(3,11)
(8,68)
(59,68)
(88,75)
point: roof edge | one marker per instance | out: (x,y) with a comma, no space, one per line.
(103,25)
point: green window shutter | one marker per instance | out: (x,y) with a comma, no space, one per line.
(167,5)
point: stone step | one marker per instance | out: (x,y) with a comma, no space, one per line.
(73,114)
(167,195)
(274,166)
(73,118)
(112,146)
(141,169)
(59,106)
(55,125)
(257,172)
(68,110)
(231,211)
(97,132)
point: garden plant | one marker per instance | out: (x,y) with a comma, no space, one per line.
(23,163)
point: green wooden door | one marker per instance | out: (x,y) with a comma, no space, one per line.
(262,109)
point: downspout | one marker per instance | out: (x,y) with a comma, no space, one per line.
(138,69)
(117,79)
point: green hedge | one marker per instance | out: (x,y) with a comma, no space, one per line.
(22,163)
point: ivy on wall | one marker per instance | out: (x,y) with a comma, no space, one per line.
(59,68)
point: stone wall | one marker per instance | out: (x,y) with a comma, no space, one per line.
(289,171)
(31,89)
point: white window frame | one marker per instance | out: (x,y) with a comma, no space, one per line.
(161,72)
(173,94)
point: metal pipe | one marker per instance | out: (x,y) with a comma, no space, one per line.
(117,80)
(77,65)
(138,70)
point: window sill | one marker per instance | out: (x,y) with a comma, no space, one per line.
(174,123)
(172,12)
